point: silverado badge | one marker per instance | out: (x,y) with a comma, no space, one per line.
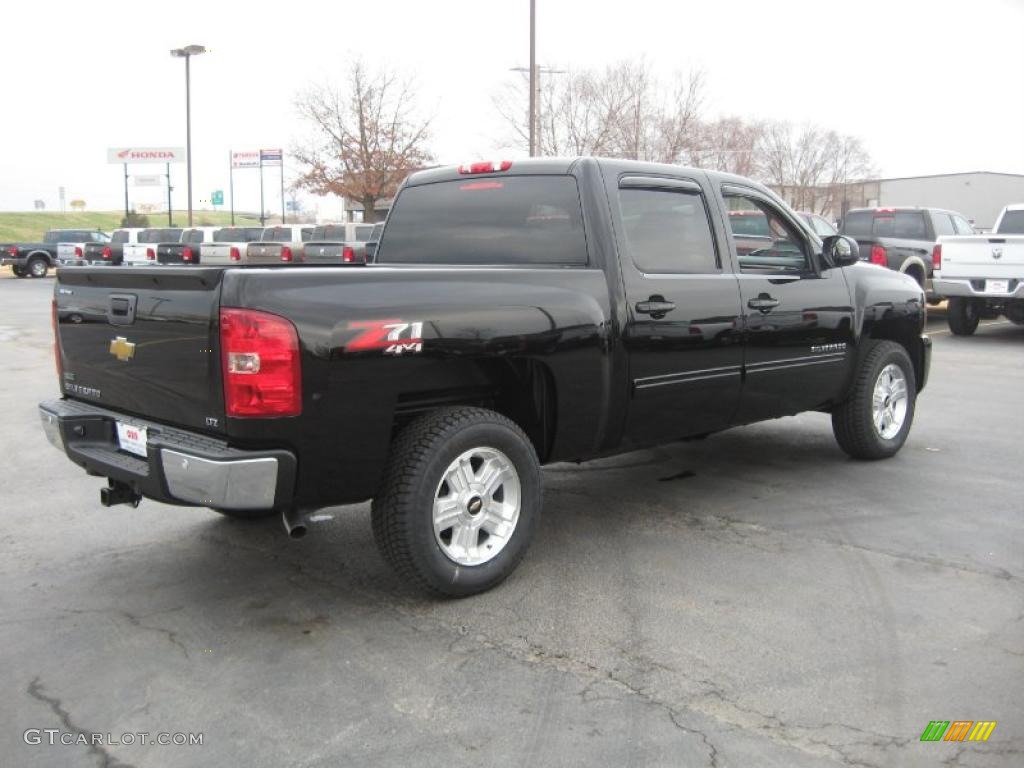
(122,349)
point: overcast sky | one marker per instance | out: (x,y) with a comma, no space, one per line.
(930,87)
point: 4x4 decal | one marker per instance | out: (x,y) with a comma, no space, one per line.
(393,337)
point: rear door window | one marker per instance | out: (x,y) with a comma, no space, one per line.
(488,220)
(668,231)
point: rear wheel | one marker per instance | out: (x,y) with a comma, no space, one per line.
(962,315)
(460,501)
(38,266)
(875,421)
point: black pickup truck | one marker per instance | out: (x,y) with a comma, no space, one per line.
(514,315)
(904,239)
(35,259)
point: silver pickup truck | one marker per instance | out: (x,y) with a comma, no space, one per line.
(983,275)
(72,253)
(279,245)
(338,244)
(229,245)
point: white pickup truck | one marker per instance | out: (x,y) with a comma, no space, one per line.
(983,275)
(143,250)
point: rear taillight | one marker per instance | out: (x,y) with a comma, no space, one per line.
(78,252)
(485,167)
(12,250)
(107,253)
(261,367)
(235,254)
(151,254)
(187,255)
(348,254)
(286,253)
(878,256)
(56,343)
(937,256)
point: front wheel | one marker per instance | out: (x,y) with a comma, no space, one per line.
(460,501)
(875,421)
(962,315)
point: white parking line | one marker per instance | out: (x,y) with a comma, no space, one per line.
(980,325)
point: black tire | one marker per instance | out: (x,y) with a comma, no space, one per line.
(962,315)
(853,422)
(19,271)
(247,514)
(38,266)
(402,512)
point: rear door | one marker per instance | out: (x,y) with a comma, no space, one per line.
(797,316)
(682,337)
(143,343)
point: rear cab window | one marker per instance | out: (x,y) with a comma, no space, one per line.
(507,220)
(1012,223)
(886,222)
(120,236)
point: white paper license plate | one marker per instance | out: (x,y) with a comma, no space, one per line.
(132,439)
(997,286)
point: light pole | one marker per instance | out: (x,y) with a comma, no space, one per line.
(187,53)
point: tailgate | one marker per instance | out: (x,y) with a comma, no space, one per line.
(996,256)
(263,253)
(143,342)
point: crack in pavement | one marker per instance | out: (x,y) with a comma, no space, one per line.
(107,760)
(741,526)
(136,621)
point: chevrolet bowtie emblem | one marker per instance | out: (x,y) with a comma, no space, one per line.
(122,349)
(997,253)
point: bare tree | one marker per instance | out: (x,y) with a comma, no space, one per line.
(809,165)
(364,138)
(620,111)
(728,144)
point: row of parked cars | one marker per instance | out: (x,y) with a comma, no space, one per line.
(346,243)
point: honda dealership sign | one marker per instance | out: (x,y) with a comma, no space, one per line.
(121,155)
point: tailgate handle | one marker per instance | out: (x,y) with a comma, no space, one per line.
(122,309)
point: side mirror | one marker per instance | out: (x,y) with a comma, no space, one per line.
(840,250)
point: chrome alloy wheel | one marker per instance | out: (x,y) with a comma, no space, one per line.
(889,402)
(476,506)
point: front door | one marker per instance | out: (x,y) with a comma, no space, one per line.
(683,335)
(797,313)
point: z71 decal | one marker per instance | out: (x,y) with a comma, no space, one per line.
(392,337)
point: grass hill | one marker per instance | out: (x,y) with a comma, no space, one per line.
(29,226)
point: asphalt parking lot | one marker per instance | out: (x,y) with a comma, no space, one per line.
(755,599)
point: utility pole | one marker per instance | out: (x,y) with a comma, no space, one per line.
(533,78)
